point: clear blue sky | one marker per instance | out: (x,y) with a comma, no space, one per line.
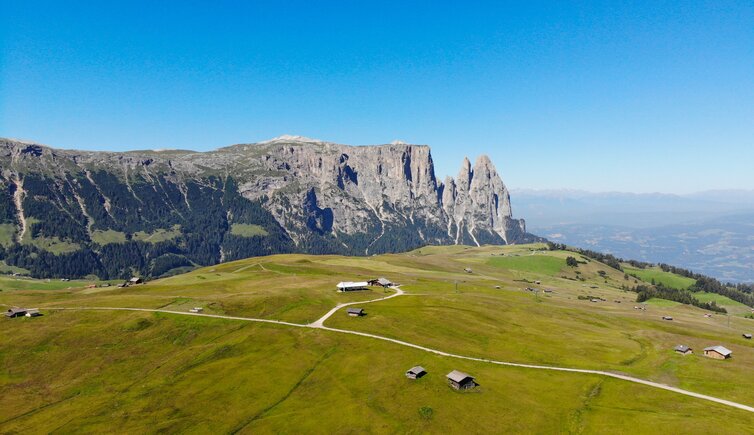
(647,96)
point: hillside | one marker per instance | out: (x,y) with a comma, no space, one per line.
(709,233)
(74,213)
(76,370)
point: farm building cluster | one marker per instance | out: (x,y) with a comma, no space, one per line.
(22,312)
(457,380)
(133,281)
(715,352)
(347,286)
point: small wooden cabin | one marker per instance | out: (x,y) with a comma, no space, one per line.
(718,352)
(356,312)
(461,380)
(384,282)
(746,336)
(683,350)
(415,372)
(15,312)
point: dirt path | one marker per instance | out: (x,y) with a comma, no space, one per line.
(318,325)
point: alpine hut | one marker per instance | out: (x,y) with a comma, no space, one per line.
(683,349)
(461,380)
(718,352)
(415,372)
(15,312)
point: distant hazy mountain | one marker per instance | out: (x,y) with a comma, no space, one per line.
(70,213)
(708,232)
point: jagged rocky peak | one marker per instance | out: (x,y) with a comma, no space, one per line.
(306,195)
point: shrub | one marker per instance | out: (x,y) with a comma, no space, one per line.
(426,412)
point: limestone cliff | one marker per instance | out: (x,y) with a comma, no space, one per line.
(299,195)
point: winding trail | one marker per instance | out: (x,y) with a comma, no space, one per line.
(318,324)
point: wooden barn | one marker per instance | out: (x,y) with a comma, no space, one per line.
(718,352)
(356,312)
(461,380)
(15,312)
(683,349)
(384,282)
(746,336)
(415,372)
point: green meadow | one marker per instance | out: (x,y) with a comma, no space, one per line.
(667,279)
(130,372)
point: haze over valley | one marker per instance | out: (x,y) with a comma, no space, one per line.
(709,232)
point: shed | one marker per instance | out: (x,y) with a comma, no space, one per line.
(683,349)
(467,270)
(346,286)
(135,280)
(356,312)
(15,312)
(667,318)
(461,380)
(381,281)
(196,310)
(747,336)
(718,352)
(33,312)
(415,372)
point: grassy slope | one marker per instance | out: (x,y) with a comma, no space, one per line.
(247,230)
(193,374)
(159,235)
(105,237)
(668,279)
(7,233)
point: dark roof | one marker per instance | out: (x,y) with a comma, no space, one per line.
(384,281)
(15,311)
(682,348)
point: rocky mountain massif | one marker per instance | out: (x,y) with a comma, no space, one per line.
(73,213)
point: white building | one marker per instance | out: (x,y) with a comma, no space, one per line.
(346,286)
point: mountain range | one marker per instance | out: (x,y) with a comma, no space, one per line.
(154,212)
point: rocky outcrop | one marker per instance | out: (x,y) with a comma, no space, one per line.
(321,197)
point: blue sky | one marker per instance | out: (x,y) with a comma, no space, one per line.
(647,96)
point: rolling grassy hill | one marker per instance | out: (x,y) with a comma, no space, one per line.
(125,371)
(667,279)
